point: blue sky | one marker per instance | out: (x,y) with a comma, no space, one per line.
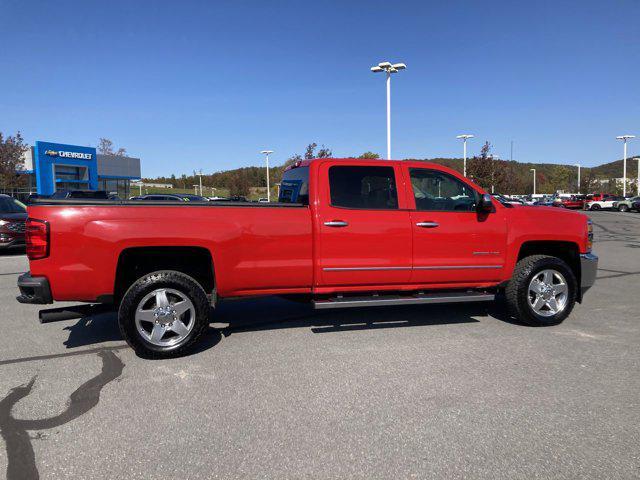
(187,84)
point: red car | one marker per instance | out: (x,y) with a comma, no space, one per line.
(575,202)
(13,215)
(344,233)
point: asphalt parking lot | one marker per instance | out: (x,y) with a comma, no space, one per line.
(280,391)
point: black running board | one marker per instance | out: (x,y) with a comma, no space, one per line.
(381,300)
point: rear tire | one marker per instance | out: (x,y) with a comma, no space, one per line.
(163,314)
(595,207)
(542,291)
(623,208)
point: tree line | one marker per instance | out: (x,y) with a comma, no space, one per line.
(491,173)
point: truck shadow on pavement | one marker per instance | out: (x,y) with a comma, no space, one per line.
(273,313)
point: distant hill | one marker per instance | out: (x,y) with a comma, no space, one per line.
(614,169)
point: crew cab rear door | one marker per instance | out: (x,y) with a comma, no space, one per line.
(363,228)
(452,242)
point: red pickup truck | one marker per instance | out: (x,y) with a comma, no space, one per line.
(344,233)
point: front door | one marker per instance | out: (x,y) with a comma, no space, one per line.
(364,227)
(452,242)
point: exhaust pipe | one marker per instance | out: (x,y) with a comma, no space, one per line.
(51,315)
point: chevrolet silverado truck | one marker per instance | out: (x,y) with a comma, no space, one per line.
(344,233)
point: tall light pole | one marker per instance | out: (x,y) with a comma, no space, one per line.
(200,175)
(578,165)
(464,138)
(534,179)
(389,68)
(624,138)
(266,155)
(638,178)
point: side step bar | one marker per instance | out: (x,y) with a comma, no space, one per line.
(381,300)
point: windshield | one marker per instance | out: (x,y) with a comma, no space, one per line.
(11,205)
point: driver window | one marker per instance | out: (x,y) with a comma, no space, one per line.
(439,191)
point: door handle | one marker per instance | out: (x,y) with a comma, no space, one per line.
(336,223)
(427,224)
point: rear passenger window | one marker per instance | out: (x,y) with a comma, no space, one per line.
(372,188)
(294,187)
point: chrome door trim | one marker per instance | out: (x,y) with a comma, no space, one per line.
(438,267)
(353,269)
(457,267)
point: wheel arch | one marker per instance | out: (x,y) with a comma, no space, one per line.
(134,262)
(567,251)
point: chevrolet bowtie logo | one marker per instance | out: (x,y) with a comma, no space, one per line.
(51,153)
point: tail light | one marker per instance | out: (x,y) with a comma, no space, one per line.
(37,238)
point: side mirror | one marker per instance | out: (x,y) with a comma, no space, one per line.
(485,204)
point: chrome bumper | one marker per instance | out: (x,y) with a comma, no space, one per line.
(588,270)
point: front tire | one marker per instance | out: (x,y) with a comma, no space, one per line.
(595,207)
(623,208)
(163,314)
(542,291)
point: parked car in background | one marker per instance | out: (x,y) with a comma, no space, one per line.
(599,196)
(636,206)
(13,215)
(170,197)
(507,200)
(546,201)
(605,204)
(263,200)
(627,204)
(574,201)
(236,198)
(80,194)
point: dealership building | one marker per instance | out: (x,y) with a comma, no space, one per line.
(56,166)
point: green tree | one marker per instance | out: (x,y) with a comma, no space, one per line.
(239,185)
(369,155)
(12,150)
(487,171)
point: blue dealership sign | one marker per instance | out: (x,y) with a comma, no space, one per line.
(59,166)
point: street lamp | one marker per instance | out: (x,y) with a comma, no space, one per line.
(389,68)
(266,155)
(638,178)
(534,179)
(624,138)
(200,175)
(578,165)
(464,149)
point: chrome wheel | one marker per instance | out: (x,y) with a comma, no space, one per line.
(165,317)
(548,293)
